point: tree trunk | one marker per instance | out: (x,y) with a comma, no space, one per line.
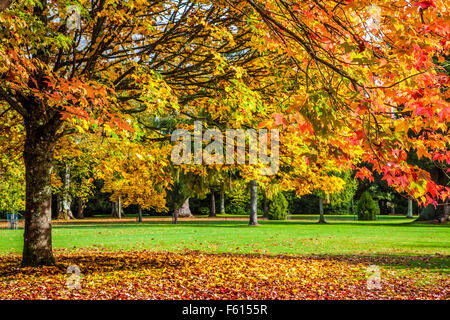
(443,211)
(438,176)
(4,4)
(67,196)
(59,207)
(253,204)
(175,217)
(410,209)
(80,212)
(445,216)
(66,202)
(38,157)
(222,199)
(184,211)
(321,215)
(139,214)
(265,207)
(119,208)
(212,209)
(114,213)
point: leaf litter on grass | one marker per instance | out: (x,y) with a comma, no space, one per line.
(195,275)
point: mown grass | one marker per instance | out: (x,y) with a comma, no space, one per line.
(393,241)
(393,235)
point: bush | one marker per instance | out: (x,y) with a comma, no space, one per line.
(237,200)
(367,207)
(278,206)
(306,204)
(341,202)
(428,213)
(339,209)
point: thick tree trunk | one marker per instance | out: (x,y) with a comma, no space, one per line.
(175,217)
(4,4)
(222,199)
(253,204)
(212,209)
(442,212)
(410,209)
(80,211)
(114,211)
(38,157)
(321,215)
(139,214)
(184,211)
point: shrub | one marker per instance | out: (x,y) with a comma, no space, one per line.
(237,200)
(340,209)
(367,207)
(306,204)
(428,213)
(341,202)
(278,206)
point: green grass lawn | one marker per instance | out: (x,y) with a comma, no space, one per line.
(302,236)
(307,259)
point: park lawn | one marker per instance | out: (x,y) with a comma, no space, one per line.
(225,259)
(342,236)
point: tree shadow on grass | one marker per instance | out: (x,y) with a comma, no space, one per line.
(335,223)
(429,263)
(357,223)
(91,261)
(239,224)
(220,224)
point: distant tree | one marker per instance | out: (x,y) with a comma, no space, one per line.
(321,215)
(253,203)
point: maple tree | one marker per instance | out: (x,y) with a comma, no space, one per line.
(332,76)
(12,190)
(357,66)
(118,171)
(74,171)
(125,58)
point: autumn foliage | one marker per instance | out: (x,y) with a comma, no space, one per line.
(193,275)
(348,84)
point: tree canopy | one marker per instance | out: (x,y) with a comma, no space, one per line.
(342,81)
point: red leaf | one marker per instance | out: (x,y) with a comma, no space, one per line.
(361,46)
(425,4)
(364,173)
